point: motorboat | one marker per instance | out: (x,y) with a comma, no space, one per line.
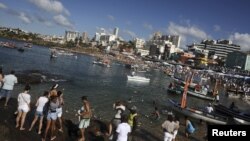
(138,78)
(102,63)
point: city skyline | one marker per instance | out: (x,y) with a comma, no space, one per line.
(193,20)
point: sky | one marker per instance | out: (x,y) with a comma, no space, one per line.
(193,20)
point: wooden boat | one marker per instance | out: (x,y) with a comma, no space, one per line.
(196,113)
(201,95)
(199,114)
(237,115)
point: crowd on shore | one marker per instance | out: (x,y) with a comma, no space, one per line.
(49,109)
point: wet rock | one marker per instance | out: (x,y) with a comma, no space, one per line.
(32,78)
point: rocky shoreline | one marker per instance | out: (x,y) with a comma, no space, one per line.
(8,132)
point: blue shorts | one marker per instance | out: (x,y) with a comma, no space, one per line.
(5,93)
(39,114)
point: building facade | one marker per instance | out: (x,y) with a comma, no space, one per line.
(71,35)
(238,59)
(139,43)
(85,38)
(116,32)
(219,48)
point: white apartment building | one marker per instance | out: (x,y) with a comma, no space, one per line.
(71,35)
(142,52)
(139,43)
(85,37)
(220,48)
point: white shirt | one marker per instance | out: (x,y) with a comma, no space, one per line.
(9,81)
(210,109)
(120,109)
(23,99)
(217,97)
(123,129)
(41,102)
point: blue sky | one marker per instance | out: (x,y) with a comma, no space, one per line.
(194,20)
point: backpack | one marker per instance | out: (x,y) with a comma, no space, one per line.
(46,108)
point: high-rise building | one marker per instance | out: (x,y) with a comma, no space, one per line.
(116,32)
(238,59)
(139,43)
(84,37)
(71,35)
(220,48)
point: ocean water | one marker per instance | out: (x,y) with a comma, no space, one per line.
(77,76)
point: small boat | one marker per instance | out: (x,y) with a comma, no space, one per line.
(138,78)
(28,45)
(237,115)
(199,114)
(196,113)
(102,64)
(202,95)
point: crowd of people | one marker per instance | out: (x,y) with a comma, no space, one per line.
(49,108)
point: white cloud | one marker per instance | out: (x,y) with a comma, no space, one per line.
(189,33)
(148,26)
(24,17)
(217,28)
(3,6)
(110,17)
(242,39)
(53,6)
(63,21)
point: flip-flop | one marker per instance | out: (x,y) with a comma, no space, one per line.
(60,130)
(53,138)
(21,129)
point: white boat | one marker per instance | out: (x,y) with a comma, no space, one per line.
(138,78)
(199,94)
(101,63)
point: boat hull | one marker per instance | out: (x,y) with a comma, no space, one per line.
(238,116)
